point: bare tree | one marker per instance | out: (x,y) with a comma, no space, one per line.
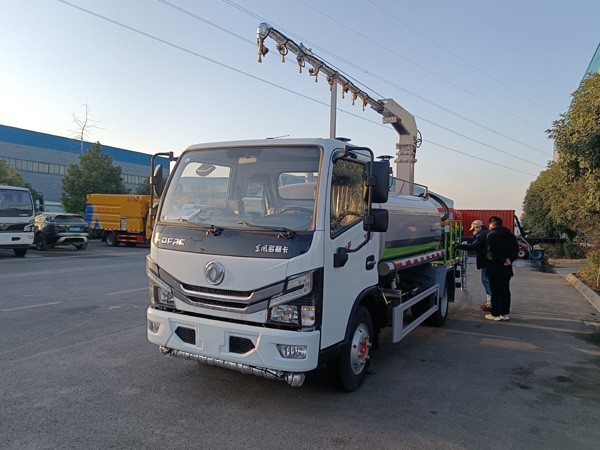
(84,125)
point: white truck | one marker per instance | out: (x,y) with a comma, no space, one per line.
(272,257)
(16,219)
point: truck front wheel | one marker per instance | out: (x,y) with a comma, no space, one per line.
(40,242)
(353,364)
(111,239)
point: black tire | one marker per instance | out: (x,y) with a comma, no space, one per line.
(40,242)
(438,319)
(111,239)
(81,246)
(352,366)
(537,255)
(20,252)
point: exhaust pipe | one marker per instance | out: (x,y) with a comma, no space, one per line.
(292,378)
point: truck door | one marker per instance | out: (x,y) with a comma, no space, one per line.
(343,284)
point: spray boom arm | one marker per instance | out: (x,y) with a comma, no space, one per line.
(401,120)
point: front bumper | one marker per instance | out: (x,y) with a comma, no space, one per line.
(212,340)
(16,240)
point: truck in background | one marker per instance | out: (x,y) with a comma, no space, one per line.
(17,214)
(53,207)
(510,221)
(117,218)
(470,215)
(273,257)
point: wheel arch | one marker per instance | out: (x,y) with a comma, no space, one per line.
(369,299)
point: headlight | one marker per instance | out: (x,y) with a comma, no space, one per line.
(160,292)
(296,288)
(297,305)
(285,314)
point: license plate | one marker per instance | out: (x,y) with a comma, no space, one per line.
(75,229)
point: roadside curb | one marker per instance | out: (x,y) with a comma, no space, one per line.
(567,261)
(588,293)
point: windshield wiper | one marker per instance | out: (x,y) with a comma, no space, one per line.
(283,232)
(214,230)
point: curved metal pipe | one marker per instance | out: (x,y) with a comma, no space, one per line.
(292,378)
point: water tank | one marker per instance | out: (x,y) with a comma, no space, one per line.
(414,227)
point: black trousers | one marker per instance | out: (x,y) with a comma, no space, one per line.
(500,287)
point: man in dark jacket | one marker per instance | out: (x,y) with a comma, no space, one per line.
(502,250)
(480,231)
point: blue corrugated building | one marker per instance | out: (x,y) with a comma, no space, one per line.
(42,159)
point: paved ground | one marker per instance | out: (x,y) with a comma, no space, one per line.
(78,372)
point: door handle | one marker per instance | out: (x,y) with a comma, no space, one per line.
(370,263)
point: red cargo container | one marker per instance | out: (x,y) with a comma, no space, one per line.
(469,215)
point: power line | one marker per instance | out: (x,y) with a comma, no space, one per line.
(208,22)
(381,96)
(191,52)
(374,75)
(417,65)
(481,159)
(478,142)
(460,58)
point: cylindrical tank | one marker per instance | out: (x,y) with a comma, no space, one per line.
(414,227)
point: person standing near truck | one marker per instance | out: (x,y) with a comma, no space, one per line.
(480,231)
(502,250)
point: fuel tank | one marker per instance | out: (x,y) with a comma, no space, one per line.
(414,227)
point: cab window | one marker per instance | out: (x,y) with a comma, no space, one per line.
(347,192)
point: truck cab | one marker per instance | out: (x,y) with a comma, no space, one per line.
(16,219)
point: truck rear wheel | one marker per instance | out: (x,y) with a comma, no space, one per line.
(353,364)
(438,318)
(111,239)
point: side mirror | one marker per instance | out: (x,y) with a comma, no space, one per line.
(156,181)
(41,201)
(380,181)
(378,221)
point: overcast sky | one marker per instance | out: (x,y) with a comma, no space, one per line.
(484,79)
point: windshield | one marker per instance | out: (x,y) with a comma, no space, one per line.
(53,207)
(15,203)
(244,187)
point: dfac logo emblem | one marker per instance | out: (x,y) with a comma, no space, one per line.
(172,241)
(214,272)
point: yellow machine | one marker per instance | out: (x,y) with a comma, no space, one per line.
(120,218)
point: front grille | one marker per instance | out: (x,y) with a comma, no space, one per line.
(187,335)
(12,227)
(240,345)
(204,290)
(221,304)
